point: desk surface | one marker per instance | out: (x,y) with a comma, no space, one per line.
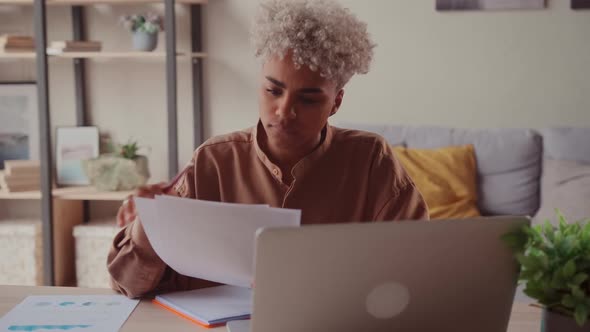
(149,317)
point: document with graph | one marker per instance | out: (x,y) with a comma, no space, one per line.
(72,313)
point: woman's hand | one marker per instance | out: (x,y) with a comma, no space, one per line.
(127,212)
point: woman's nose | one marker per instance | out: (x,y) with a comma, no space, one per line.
(286,110)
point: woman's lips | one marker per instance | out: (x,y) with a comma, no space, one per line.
(287,128)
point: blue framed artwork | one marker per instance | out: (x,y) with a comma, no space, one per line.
(19,125)
(73,145)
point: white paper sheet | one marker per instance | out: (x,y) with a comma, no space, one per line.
(209,240)
(211,305)
(72,313)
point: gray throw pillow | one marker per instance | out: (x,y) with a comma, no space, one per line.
(564,185)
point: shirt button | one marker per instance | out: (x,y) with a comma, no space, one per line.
(275,171)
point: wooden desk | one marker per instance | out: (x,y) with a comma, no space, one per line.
(148,317)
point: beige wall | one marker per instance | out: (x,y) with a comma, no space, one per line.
(476,69)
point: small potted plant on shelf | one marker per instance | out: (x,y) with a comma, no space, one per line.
(121,169)
(555,266)
(145,28)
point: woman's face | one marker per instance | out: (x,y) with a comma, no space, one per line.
(295,103)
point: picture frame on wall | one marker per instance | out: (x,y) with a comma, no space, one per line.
(462,5)
(73,145)
(580,4)
(19,122)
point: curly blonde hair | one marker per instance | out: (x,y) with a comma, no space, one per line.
(320,34)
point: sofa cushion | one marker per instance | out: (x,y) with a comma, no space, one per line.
(508,161)
(565,183)
(446,178)
(567,144)
(566,186)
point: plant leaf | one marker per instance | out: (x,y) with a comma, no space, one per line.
(562,220)
(580,278)
(569,269)
(581,314)
(568,301)
(549,231)
(578,293)
(515,240)
(534,293)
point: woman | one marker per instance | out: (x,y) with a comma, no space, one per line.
(292,158)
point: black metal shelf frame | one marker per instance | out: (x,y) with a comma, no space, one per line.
(82,113)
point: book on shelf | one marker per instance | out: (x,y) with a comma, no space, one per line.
(22,167)
(19,189)
(16,43)
(28,180)
(58,47)
(9,184)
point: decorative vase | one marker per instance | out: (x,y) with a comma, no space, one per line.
(555,322)
(144,41)
(114,173)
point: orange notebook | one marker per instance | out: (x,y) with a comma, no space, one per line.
(209,307)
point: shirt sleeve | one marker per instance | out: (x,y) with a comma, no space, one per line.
(135,268)
(394,194)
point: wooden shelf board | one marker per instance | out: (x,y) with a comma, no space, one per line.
(95,2)
(70,193)
(199,55)
(112,55)
(103,55)
(90,194)
(20,195)
(19,55)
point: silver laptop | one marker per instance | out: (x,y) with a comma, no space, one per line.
(453,275)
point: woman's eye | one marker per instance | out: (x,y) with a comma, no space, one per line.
(274,92)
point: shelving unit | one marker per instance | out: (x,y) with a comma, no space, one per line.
(104,55)
(69,206)
(95,2)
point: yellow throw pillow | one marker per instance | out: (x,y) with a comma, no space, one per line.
(446,177)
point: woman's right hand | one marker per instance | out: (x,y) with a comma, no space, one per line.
(127,212)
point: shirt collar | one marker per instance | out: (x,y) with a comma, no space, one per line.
(305,164)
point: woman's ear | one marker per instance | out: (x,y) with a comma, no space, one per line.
(337,102)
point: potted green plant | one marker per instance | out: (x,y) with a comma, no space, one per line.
(555,266)
(121,169)
(145,28)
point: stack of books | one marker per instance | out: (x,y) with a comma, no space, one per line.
(16,44)
(58,47)
(20,175)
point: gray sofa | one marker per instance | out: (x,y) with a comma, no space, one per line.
(520,171)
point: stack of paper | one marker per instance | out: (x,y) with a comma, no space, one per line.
(212,241)
(209,240)
(210,307)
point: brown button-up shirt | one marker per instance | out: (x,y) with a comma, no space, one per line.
(352,176)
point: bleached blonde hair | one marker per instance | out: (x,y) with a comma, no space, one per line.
(320,34)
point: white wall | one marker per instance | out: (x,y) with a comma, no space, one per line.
(468,69)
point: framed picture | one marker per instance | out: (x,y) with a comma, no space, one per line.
(19,124)
(580,4)
(74,144)
(448,5)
